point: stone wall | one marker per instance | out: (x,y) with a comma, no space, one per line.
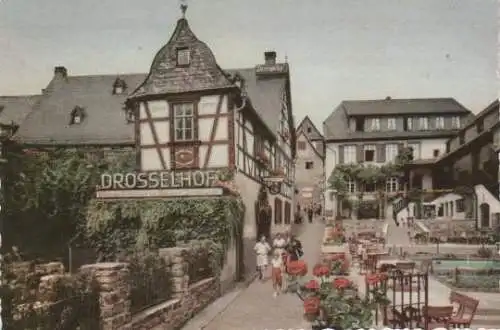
(186,300)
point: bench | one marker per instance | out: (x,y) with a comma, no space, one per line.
(464,309)
(437,317)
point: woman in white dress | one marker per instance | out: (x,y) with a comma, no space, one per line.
(262,250)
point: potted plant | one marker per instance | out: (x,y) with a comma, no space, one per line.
(225,181)
(335,303)
(280,171)
(262,157)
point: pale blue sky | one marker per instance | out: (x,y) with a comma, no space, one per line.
(337,49)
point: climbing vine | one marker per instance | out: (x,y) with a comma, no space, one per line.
(49,203)
(367,174)
(119,226)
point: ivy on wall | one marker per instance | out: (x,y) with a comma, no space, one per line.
(115,227)
(49,203)
(367,174)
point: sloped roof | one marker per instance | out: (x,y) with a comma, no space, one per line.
(14,109)
(406,106)
(264,94)
(336,126)
(314,134)
(318,151)
(105,122)
(165,76)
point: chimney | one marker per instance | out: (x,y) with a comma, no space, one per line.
(60,72)
(388,98)
(270,58)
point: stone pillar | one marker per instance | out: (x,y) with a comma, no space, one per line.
(179,269)
(114,295)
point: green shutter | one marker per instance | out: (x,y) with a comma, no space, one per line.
(359,153)
(381,153)
(341,155)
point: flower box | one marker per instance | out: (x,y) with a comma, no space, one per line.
(262,157)
(227,186)
(278,172)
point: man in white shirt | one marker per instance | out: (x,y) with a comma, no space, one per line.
(262,249)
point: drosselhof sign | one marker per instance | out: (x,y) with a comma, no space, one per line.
(158,180)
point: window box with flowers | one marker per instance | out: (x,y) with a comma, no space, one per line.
(279,172)
(262,157)
(334,301)
(225,181)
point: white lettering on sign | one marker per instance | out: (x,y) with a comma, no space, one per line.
(158,180)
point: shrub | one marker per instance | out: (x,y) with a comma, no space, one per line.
(200,266)
(150,279)
(450,256)
(484,252)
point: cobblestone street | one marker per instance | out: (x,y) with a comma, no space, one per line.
(256,309)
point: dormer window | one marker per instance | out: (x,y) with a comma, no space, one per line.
(183,57)
(119,86)
(77,115)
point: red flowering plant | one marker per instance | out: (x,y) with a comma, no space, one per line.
(295,270)
(334,302)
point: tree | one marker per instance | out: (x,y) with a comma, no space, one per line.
(46,193)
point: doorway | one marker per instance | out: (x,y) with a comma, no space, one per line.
(484,210)
(263,214)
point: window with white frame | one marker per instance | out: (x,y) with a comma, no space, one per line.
(415,148)
(423,123)
(391,152)
(349,154)
(439,122)
(391,124)
(373,124)
(455,122)
(370,153)
(392,185)
(350,185)
(183,56)
(409,124)
(184,121)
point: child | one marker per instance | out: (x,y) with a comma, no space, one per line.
(277,276)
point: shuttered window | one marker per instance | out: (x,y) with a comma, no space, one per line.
(278,216)
(391,152)
(288,213)
(349,154)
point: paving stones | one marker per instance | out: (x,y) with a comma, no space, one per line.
(256,309)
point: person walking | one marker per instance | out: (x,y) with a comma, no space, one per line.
(277,272)
(279,243)
(310,214)
(262,250)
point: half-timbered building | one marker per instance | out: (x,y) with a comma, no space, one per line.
(188,118)
(309,172)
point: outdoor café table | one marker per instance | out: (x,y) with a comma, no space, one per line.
(373,259)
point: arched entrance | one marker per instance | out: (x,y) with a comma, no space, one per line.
(263,214)
(484,210)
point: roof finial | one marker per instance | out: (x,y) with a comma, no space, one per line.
(184,7)
(286,58)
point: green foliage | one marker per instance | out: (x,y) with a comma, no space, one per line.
(367,173)
(45,198)
(150,280)
(162,223)
(74,299)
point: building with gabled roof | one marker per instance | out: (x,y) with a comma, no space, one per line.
(187,117)
(373,132)
(309,167)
